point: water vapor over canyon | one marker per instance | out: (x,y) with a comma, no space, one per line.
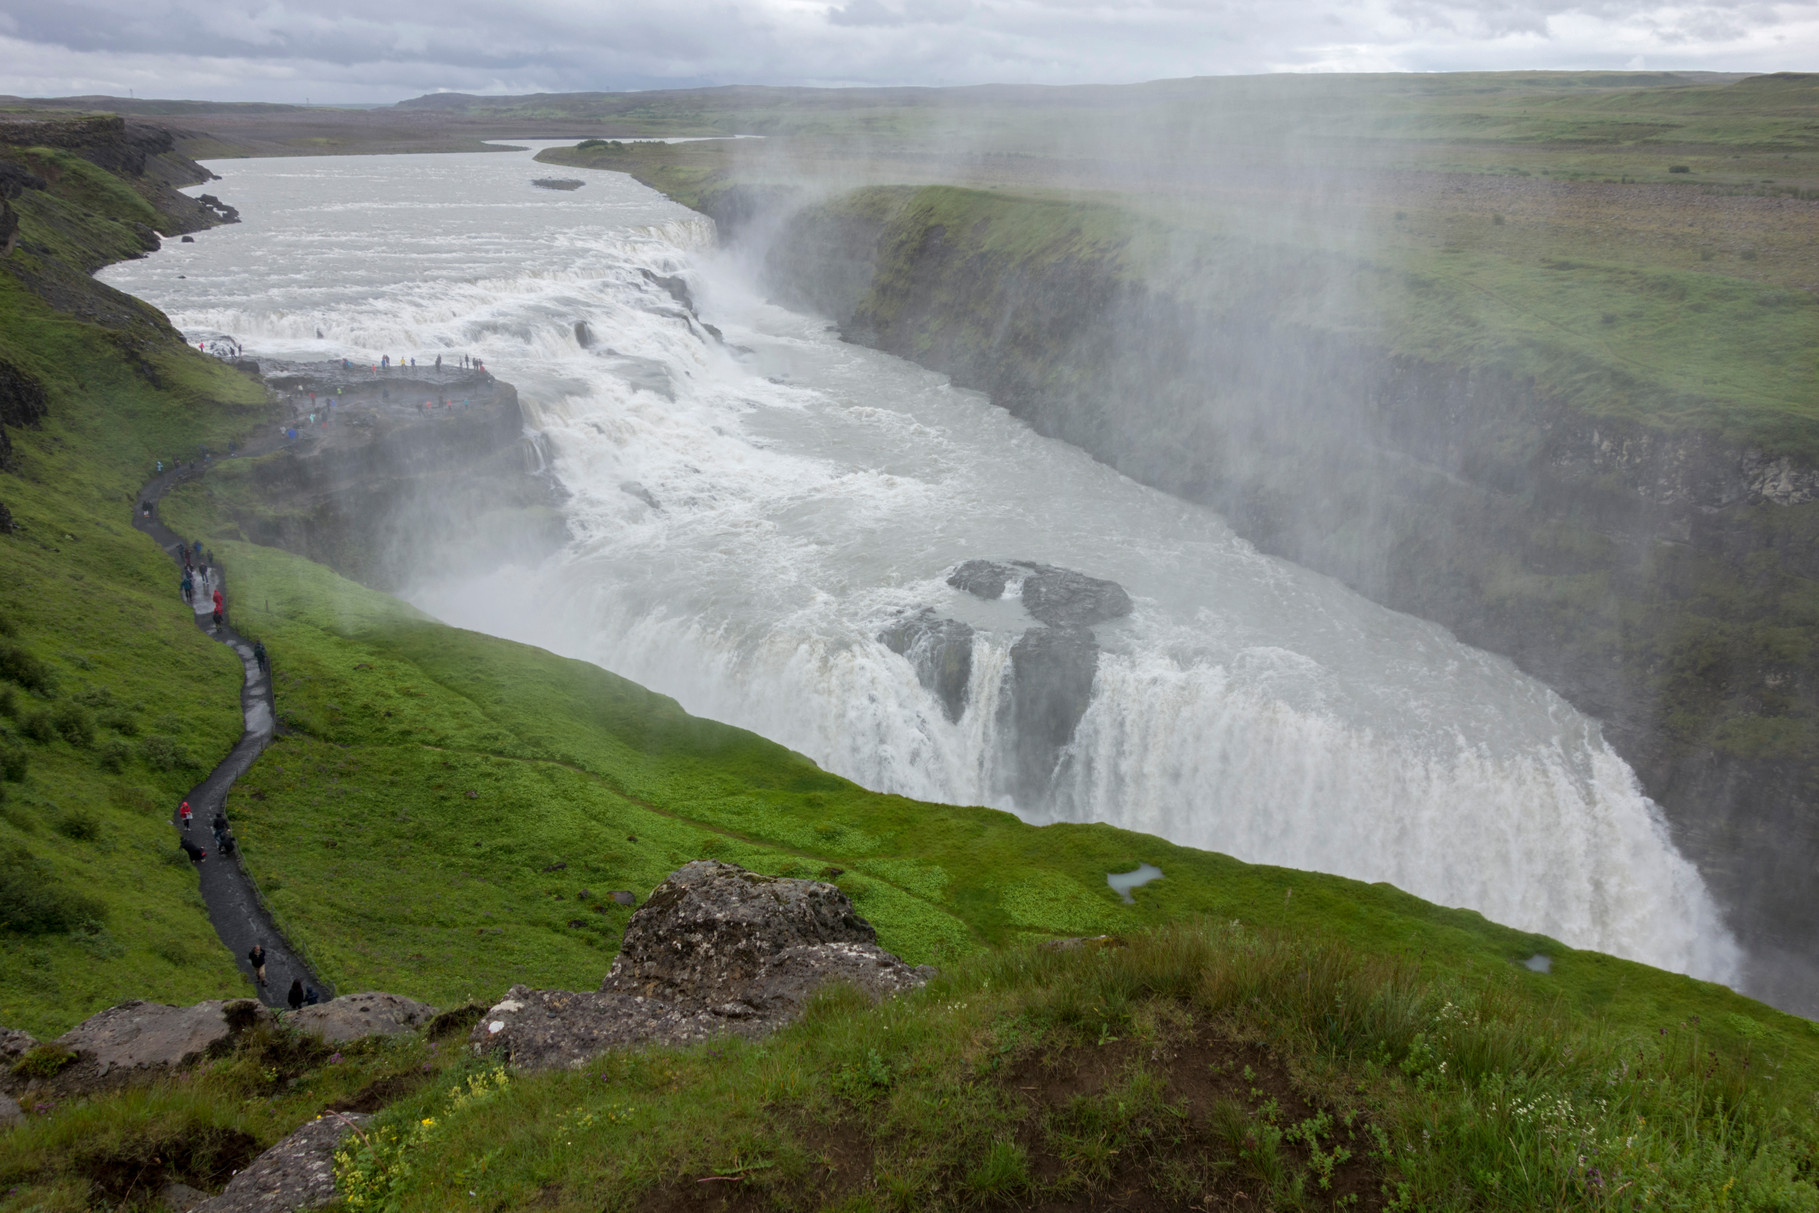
(757,511)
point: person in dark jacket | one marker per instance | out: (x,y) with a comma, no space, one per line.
(256,958)
(295,997)
(310,997)
(196,854)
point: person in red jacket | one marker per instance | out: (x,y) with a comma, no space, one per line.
(183,811)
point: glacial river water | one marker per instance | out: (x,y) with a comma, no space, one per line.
(807,491)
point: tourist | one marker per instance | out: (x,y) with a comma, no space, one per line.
(188,588)
(310,997)
(260,657)
(196,854)
(184,812)
(257,958)
(295,997)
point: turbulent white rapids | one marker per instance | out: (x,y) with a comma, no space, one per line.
(807,491)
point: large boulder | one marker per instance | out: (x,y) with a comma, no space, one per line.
(296,1174)
(715,949)
(706,931)
(941,653)
(354,1016)
(1063,598)
(147,1035)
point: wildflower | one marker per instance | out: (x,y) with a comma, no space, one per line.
(428,1121)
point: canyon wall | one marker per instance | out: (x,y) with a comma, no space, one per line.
(1662,580)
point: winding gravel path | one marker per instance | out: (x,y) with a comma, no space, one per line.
(233,902)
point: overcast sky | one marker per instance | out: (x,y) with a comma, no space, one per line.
(387,50)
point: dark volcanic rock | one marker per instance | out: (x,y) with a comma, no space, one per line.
(1051,683)
(149,1035)
(584,336)
(677,288)
(558,183)
(981,578)
(296,1174)
(1063,598)
(941,652)
(715,949)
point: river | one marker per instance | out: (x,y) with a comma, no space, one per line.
(749,511)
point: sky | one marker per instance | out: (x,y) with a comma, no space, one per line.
(375,51)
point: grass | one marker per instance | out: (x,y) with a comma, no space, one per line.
(407,829)
(1195,1065)
(112,704)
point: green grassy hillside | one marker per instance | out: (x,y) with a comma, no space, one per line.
(111,703)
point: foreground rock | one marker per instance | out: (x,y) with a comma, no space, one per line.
(150,1035)
(297,1173)
(715,949)
(15,1044)
(548,1029)
(354,1016)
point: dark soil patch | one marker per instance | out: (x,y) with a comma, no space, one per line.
(845,1157)
(1219,1132)
(202,1158)
(455,1022)
(377,1094)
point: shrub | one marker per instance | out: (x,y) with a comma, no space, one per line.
(75,724)
(120,721)
(1679,168)
(115,754)
(13,760)
(38,726)
(45,1061)
(9,703)
(78,824)
(163,753)
(34,902)
(17,665)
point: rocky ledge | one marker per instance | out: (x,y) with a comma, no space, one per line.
(716,950)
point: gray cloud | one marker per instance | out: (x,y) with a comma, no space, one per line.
(389,49)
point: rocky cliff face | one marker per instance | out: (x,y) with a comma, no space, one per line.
(1659,580)
(413,471)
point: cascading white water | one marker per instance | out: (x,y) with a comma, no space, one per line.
(748,515)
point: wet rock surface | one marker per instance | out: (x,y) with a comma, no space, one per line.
(355,1016)
(1061,598)
(940,651)
(1052,673)
(981,578)
(297,1173)
(715,949)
